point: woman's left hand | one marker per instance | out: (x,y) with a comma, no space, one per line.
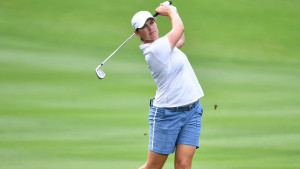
(164,10)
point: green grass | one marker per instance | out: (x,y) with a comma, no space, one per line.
(55,113)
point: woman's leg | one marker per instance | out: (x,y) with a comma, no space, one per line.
(184,156)
(155,160)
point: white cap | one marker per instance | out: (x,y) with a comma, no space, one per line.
(139,19)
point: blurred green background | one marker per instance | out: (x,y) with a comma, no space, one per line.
(56,114)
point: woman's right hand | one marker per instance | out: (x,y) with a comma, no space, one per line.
(165,10)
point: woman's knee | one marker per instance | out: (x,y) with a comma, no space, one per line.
(183,164)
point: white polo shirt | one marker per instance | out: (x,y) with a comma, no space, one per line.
(173,74)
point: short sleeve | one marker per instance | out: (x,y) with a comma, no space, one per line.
(161,49)
(158,54)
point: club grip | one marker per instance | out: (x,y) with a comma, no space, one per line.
(155,15)
(170,2)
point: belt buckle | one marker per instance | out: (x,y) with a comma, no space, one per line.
(151,102)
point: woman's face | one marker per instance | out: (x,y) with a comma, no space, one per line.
(149,32)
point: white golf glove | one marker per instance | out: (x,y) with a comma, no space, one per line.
(171,6)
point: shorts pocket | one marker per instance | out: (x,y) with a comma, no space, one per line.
(155,114)
(199,109)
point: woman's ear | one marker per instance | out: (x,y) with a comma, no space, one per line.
(137,33)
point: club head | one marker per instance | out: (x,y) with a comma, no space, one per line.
(100,73)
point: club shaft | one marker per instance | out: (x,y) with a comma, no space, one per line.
(117,49)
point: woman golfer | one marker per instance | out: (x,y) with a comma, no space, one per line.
(175,113)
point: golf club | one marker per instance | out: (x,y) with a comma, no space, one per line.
(99,72)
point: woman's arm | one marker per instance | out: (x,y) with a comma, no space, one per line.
(181,41)
(176,35)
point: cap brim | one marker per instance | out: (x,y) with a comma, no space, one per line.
(143,23)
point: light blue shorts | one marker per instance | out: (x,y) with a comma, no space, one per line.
(172,126)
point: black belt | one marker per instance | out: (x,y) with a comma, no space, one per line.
(183,108)
(179,108)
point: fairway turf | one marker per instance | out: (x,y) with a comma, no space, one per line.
(56,114)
